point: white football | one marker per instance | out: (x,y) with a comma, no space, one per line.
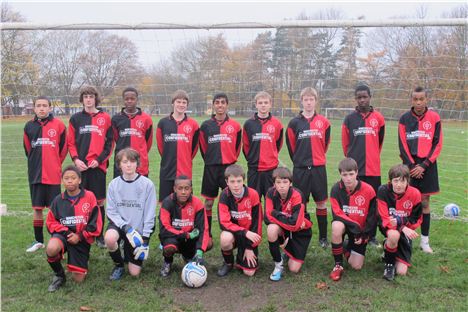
(194,275)
(451,210)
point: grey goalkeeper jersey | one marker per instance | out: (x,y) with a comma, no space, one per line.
(132,203)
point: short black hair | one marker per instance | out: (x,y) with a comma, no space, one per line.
(129,89)
(220,95)
(420,89)
(182,178)
(362,87)
(72,168)
(42,97)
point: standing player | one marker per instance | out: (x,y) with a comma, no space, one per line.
(183,226)
(420,140)
(90,146)
(220,141)
(240,218)
(288,223)
(362,136)
(354,207)
(45,146)
(133,128)
(177,138)
(262,141)
(399,207)
(74,222)
(308,138)
(131,209)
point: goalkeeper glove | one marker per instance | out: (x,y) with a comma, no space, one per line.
(198,259)
(133,236)
(142,252)
(194,234)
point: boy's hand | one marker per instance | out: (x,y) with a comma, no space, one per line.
(253,237)
(411,234)
(73,238)
(417,172)
(250,257)
(80,165)
(93,164)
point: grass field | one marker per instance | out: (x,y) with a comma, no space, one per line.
(437,282)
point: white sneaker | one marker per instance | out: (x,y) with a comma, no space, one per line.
(277,272)
(426,248)
(35,246)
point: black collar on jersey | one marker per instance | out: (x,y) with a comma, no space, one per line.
(68,197)
(309,119)
(357,188)
(213,117)
(47,119)
(99,110)
(371,109)
(246,193)
(177,204)
(172,117)
(419,116)
(258,118)
(288,196)
(138,112)
(137,177)
(397,196)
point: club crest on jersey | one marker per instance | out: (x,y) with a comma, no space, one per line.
(52,133)
(373,122)
(360,200)
(427,125)
(408,204)
(319,124)
(101,121)
(190,210)
(187,129)
(248,204)
(270,129)
(229,129)
(140,124)
(85,207)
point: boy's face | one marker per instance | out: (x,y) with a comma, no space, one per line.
(183,190)
(127,166)
(130,99)
(419,101)
(235,184)
(362,99)
(42,108)
(349,178)
(308,103)
(399,185)
(220,106)
(180,106)
(282,186)
(89,100)
(71,181)
(263,105)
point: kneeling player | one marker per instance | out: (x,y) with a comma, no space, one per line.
(131,209)
(353,207)
(240,219)
(288,223)
(183,226)
(74,221)
(400,212)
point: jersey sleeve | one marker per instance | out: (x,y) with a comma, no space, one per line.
(381,135)
(111,210)
(166,230)
(291,140)
(238,142)
(108,146)
(201,223)
(436,146)
(291,223)
(405,153)
(339,215)
(245,143)
(256,225)
(71,140)
(160,139)
(203,143)
(63,147)
(344,138)
(327,137)
(52,222)
(94,227)
(225,222)
(279,140)
(149,135)
(26,142)
(195,139)
(371,219)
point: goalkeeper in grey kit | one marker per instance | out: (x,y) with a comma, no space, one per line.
(131,210)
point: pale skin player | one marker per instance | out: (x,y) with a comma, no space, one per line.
(263,105)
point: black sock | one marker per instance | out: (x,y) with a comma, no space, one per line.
(117,257)
(169,259)
(228,256)
(373,232)
(210,218)
(426,224)
(103,218)
(337,251)
(322,222)
(275,251)
(390,254)
(57,268)
(38,232)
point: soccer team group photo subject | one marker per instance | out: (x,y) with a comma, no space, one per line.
(124,216)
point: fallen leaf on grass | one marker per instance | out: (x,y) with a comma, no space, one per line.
(444,268)
(321,285)
(83,308)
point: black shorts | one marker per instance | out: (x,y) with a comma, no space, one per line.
(297,245)
(240,262)
(78,255)
(166,188)
(128,249)
(213,180)
(261,181)
(429,184)
(352,247)
(42,195)
(94,180)
(404,248)
(311,180)
(374,181)
(187,248)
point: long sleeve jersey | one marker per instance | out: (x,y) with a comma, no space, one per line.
(240,215)
(79,215)
(362,137)
(135,131)
(308,139)
(420,136)
(288,213)
(177,221)
(406,206)
(90,137)
(262,142)
(356,209)
(177,145)
(45,145)
(220,141)
(132,203)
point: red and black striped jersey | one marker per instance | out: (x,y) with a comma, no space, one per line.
(177,145)
(220,141)
(45,145)
(308,140)
(178,221)
(240,215)
(262,141)
(362,137)
(90,137)
(79,215)
(135,131)
(405,206)
(288,213)
(420,136)
(356,209)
